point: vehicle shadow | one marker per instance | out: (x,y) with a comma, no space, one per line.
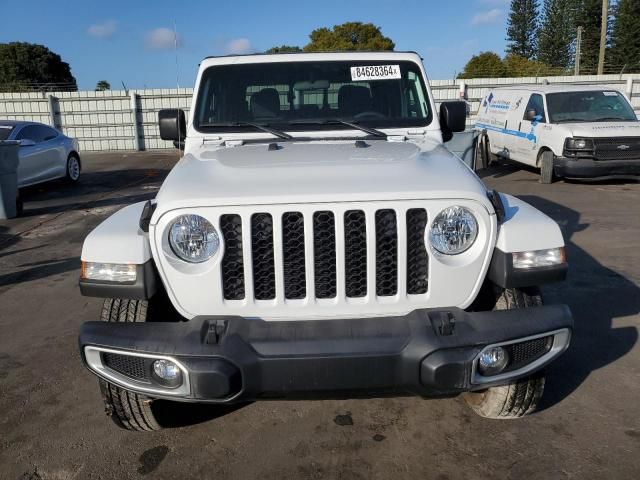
(596,295)
(39,270)
(177,414)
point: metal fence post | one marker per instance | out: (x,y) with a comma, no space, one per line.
(51,100)
(134,116)
(463,91)
(629,87)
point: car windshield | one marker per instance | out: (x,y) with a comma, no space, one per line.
(303,96)
(589,106)
(5,131)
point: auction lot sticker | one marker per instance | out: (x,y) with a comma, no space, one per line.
(375,72)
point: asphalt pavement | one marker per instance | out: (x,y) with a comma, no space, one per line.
(52,424)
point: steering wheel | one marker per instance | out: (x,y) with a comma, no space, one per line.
(371,113)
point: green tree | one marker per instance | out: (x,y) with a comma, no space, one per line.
(484,65)
(349,36)
(589,17)
(284,49)
(517,66)
(28,66)
(557,33)
(522,28)
(625,38)
(103,85)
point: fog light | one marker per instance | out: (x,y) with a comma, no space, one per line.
(492,361)
(167,373)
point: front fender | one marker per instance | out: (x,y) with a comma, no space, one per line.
(119,239)
(524,229)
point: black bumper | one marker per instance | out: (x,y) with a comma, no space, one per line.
(231,359)
(589,168)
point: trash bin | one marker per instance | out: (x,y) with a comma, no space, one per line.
(8,179)
(463,144)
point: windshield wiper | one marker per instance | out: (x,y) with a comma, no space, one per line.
(259,126)
(609,119)
(330,121)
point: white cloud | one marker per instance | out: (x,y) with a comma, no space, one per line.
(161,39)
(238,46)
(103,30)
(490,16)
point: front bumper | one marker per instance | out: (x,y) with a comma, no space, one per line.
(594,169)
(232,359)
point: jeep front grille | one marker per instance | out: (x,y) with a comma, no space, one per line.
(367,246)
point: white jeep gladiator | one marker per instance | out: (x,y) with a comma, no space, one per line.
(318,240)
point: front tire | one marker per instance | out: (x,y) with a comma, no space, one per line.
(546,167)
(74,167)
(128,410)
(520,397)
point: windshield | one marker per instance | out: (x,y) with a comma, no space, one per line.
(589,106)
(312,96)
(5,131)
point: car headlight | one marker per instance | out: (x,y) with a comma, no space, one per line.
(193,238)
(578,144)
(453,231)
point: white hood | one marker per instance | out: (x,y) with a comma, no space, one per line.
(604,129)
(317,172)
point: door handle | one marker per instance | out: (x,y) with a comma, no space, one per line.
(520,127)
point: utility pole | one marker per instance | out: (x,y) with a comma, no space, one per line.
(603,35)
(578,51)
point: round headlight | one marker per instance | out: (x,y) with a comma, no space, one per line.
(193,238)
(453,231)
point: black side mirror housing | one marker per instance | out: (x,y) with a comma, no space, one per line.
(172,124)
(453,118)
(530,115)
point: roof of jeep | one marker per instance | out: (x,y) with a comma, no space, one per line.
(307,57)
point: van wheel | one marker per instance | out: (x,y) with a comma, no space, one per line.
(546,167)
(520,397)
(128,410)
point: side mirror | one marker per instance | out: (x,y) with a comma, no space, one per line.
(453,118)
(27,142)
(172,124)
(530,115)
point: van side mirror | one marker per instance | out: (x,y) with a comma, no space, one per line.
(453,118)
(172,124)
(530,115)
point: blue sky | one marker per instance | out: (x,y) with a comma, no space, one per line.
(132,41)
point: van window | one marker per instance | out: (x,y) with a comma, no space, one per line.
(536,103)
(590,106)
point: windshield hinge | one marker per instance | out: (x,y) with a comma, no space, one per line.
(233,143)
(396,138)
(413,133)
(217,140)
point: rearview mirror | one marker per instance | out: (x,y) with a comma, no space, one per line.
(453,118)
(530,115)
(27,142)
(172,124)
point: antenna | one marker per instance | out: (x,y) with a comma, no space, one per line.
(175,48)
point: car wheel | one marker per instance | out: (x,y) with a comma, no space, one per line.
(73,168)
(128,410)
(546,167)
(520,397)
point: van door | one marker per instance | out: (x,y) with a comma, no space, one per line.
(526,143)
(495,115)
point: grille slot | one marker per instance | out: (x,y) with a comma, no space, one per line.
(130,366)
(386,253)
(295,286)
(417,258)
(355,253)
(233,261)
(523,353)
(264,277)
(324,248)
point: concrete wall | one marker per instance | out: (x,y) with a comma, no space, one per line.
(121,120)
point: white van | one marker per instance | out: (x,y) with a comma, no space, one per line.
(570,131)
